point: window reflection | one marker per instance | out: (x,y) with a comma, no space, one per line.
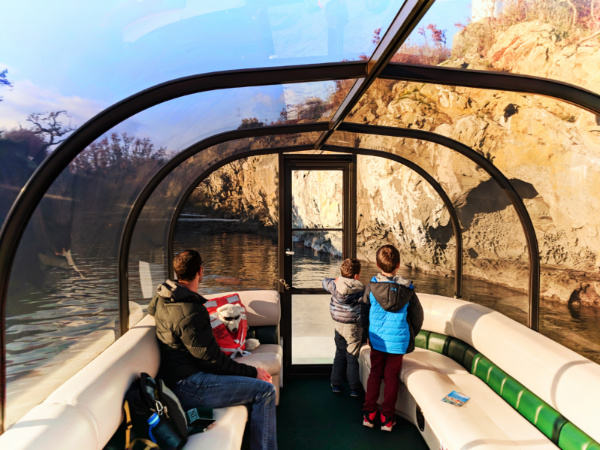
(546,38)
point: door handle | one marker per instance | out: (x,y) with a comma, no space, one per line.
(289,252)
(284,284)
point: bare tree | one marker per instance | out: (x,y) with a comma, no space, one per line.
(49,127)
(3,80)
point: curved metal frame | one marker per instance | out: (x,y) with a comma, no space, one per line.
(44,176)
(41,180)
(498,176)
(144,195)
(480,79)
(340,149)
(458,262)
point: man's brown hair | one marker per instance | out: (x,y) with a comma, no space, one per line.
(388,258)
(187,264)
(350,267)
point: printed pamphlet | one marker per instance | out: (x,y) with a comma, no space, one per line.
(456,398)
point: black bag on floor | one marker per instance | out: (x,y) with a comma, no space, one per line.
(154,415)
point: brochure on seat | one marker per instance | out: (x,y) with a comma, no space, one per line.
(456,398)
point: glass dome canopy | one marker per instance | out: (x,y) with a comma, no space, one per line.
(272,35)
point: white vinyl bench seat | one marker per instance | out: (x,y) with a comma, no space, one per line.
(87,409)
(525,390)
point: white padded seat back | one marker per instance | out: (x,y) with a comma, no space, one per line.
(262,306)
(564,379)
(101,385)
(51,426)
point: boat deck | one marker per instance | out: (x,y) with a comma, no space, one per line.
(311,416)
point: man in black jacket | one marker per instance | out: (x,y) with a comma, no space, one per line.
(192,363)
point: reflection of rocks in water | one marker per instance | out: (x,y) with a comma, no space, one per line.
(330,243)
(228,281)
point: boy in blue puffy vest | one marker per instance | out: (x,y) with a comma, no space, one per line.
(395,318)
(345,307)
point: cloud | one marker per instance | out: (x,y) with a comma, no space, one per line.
(26,97)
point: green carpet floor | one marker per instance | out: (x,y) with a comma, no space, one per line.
(310,416)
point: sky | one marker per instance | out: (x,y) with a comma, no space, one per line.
(83,57)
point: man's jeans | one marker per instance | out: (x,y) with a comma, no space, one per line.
(347,342)
(218,391)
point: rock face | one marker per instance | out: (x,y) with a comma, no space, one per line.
(549,150)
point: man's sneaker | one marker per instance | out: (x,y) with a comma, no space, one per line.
(387,423)
(369,419)
(354,393)
(336,389)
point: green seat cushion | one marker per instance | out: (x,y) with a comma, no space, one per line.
(438,343)
(421,339)
(496,379)
(482,367)
(543,416)
(469,358)
(572,438)
(457,350)
(512,391)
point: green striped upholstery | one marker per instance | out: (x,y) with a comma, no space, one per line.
(572,438)
(549,421)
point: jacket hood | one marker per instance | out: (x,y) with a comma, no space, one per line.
(170,291)
(348,286)
(392,293)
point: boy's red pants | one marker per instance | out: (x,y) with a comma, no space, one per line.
(386,367)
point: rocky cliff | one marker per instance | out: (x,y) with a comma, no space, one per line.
(549,150)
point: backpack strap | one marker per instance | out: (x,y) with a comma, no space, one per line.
(129,444)
(128,423)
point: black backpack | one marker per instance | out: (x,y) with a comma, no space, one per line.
(155,415)
(154,418)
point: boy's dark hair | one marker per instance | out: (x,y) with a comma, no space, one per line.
(388,258)
(350,267)
(187,264)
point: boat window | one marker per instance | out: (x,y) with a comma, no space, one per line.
(549,39)
(237,241)
(544,146)
(555,156)
(148,257)
(124,48)
(410,212)
(62,305)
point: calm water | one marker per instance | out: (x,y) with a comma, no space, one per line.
(248,261)
(58,332)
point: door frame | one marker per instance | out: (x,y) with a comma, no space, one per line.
(288,162)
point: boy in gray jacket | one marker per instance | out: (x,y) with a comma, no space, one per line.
(345,307)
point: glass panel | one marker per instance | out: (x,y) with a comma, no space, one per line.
(127,46)
(317,198)
(546,38)
(232,219)
(548,150)
(317,255)
(150,238)
(167,128)
(395,206)
(313,330)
